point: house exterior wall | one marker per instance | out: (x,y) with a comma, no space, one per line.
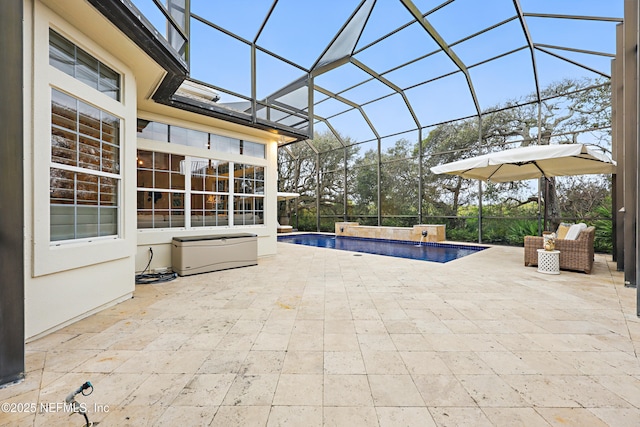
(159,240)
(66,281)
(70,280)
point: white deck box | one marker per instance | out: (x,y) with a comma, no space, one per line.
(203,254)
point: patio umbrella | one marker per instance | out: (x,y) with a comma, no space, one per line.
(531,162)
(286,196)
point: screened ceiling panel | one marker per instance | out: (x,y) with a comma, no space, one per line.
(352,124)
(429,68)
(552,69)
(595,62)
(283,117)
(228,68)
(273,74)
(241,17)
(429,5)
(234,103)
(367,92)
(450,58)
(390,142)
(462,18)
(330,107)
(386,17)
(572,33)
(319,97)
(153,14)
(320,127)
(297,99)
(610,8)
(442,100)
(514,73)
(398,49)
(303,39)
(345,42)
(379,111)
(341,78)
(498,41)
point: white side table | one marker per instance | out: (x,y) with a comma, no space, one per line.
(548,262)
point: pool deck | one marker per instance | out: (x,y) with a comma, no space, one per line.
(320,337)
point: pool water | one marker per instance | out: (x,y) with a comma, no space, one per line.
(435,252)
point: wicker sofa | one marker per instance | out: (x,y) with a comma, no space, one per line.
(575,254)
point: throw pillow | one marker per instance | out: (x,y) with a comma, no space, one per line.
(563,228)
(574,231)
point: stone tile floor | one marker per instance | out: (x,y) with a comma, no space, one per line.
(319,337)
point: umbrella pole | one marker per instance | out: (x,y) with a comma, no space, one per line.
(546,199)
(539,209)
(479,211)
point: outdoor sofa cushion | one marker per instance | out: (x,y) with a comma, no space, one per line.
(574,231)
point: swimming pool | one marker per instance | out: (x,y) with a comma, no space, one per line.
(435,252)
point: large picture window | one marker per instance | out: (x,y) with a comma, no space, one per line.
(85,170)
(192,192)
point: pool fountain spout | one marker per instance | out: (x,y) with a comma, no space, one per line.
(424,237)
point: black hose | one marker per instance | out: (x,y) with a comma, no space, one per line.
(148,278)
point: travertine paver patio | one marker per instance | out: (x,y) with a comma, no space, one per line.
(315,337)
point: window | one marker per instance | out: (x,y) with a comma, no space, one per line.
(252,149)
(161,190)
(209,193)
(225,144)
(72,60)
(182,136)
(153,130)
(85,170)
(249,190)
(179,191)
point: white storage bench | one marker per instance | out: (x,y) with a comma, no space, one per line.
(203,254)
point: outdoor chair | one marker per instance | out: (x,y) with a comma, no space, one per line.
(284,228)
(575,254)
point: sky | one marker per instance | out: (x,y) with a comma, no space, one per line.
(298,32)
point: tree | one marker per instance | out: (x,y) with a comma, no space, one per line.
(300,165)
(445,194)
(582,114)
(577,116)
(398,181)
(446,143)
(581,196)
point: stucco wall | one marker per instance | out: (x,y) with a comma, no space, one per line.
(67,281)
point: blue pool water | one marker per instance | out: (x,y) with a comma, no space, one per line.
(435,252)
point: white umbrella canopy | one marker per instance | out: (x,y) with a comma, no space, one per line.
(531,162)
(287,196)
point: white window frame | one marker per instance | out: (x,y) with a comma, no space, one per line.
(97,173)
(231,194)
(51,257)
